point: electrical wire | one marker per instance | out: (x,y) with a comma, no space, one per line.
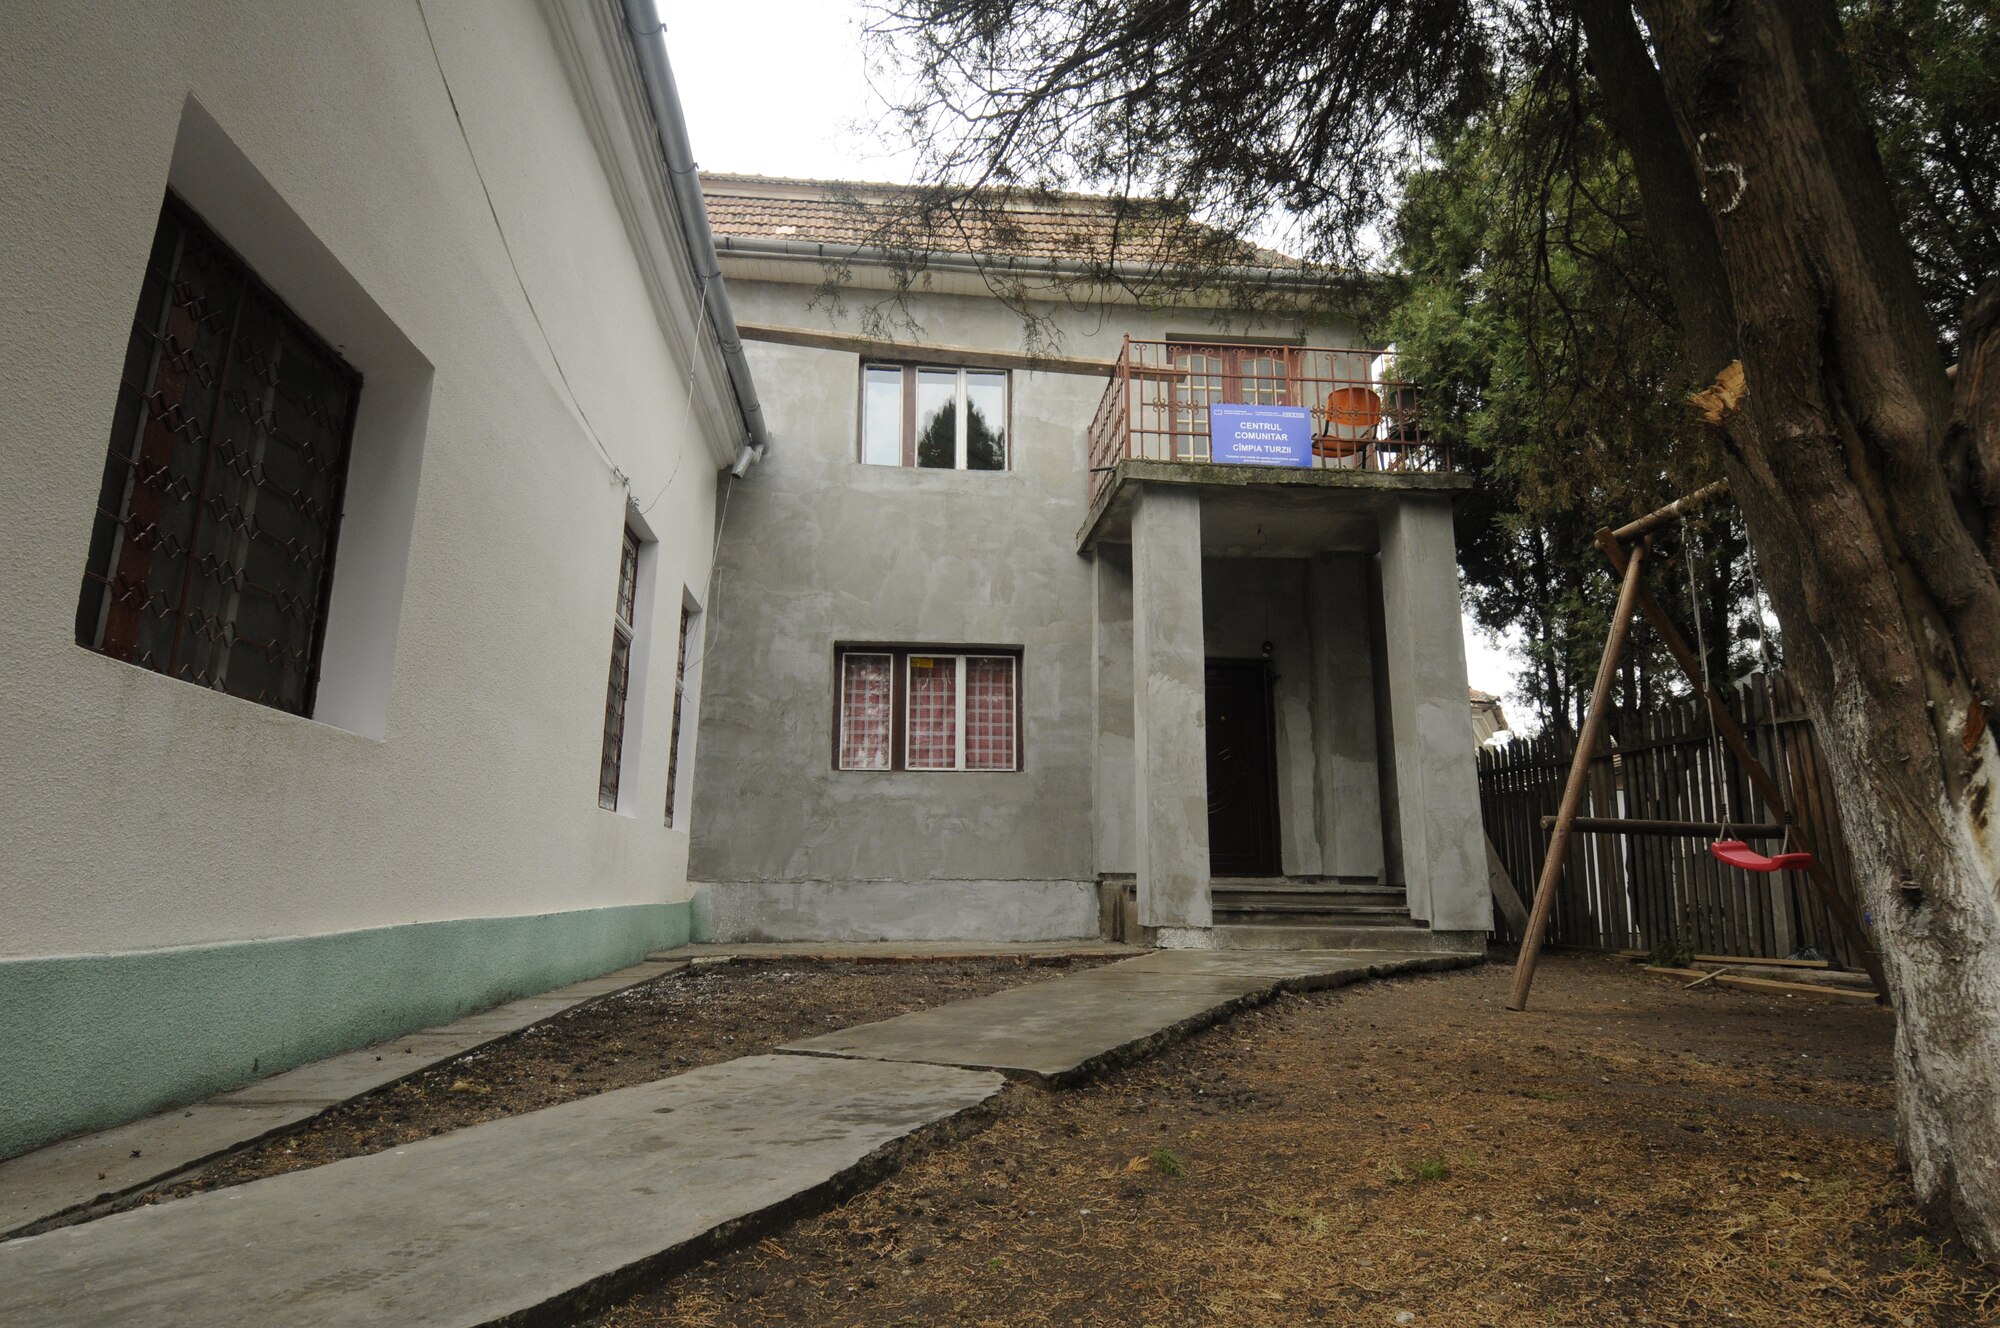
(617,472)
(710,604)
(687,404)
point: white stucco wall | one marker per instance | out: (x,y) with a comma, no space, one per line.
(141,812)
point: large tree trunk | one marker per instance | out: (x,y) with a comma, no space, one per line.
(1872,508)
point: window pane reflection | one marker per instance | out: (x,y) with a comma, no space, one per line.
(882,417)
(937,418)
(985,421)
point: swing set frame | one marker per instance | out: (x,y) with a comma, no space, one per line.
(1626,549)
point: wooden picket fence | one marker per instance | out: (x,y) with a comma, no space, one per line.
(1631,892)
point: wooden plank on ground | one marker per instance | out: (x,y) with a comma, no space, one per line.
(1767,986)
(1740,959)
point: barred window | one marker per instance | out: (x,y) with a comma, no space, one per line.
(991,712)
(914,708)
(866,711)
(612,762)
(932,742)
(211,558)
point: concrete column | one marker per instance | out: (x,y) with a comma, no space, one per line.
(1437,784)
(1348,804)
(1169,714)
(1111,592)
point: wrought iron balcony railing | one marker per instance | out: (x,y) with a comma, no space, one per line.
(1341,408)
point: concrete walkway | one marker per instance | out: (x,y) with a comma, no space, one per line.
(100,1168)
(563,1206)
(1066,1030)
(506,1217)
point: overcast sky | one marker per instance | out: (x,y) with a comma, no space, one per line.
(781,87)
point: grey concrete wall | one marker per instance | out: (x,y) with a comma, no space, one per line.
(818,549)
(1344,634)
(892,911)
(1112,706)
(1437,788)
(1169,712)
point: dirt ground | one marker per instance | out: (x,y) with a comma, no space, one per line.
(697,1016)
(1405,1152)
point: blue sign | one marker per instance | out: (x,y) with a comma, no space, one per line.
(1260,435)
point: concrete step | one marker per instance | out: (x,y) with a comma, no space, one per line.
(1302,885)
(1341,894)
(1281,904)
(1253,917)
(1299,883)
(1292,936)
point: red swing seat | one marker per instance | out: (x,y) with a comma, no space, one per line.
(1739,854)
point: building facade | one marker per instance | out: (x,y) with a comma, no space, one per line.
(358,439)
(1005,652)
(400,620)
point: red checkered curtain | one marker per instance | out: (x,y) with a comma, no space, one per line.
(989,713)
(933,716)
(865,712)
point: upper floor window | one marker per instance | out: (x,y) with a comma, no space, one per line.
(1209,375)
(212,554)
(935,418)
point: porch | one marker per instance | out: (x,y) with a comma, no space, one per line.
(1322,599)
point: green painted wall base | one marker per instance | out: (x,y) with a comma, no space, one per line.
(88,1041)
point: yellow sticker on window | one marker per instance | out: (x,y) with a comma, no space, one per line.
(921,661)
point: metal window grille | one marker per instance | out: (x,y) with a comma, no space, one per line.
(867,711)
(211,557)
(611,763)
(931,713)
(912,708)
(990,722)
(680,689)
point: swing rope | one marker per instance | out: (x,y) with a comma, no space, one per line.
(1729,849)
(1721,774)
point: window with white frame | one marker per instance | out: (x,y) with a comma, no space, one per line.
(916,708)
(933,418)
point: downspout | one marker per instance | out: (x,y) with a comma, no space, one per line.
(642,23)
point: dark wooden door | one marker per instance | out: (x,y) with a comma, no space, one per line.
(1242,770)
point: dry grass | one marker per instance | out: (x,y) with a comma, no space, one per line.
(1406,1152)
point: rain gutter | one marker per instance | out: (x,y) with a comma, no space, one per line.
(642,24)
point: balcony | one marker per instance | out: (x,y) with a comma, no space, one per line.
(1346,408)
